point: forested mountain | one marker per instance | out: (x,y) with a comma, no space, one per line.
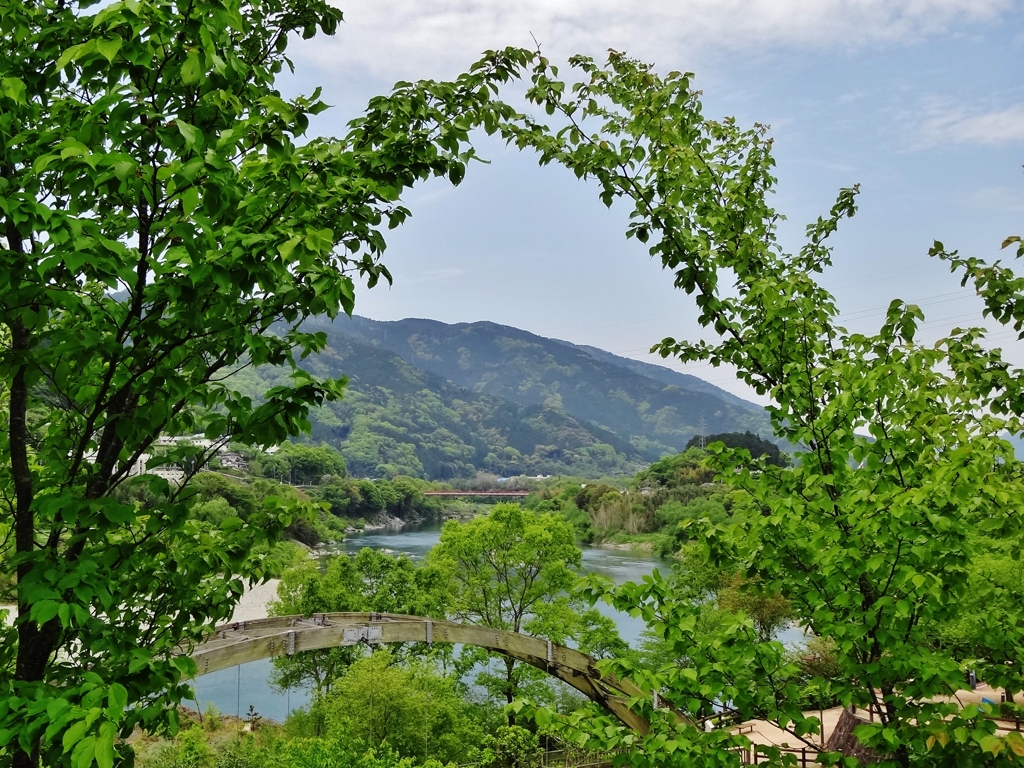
(665,375)
(655,409)
(397,419)
(440,401)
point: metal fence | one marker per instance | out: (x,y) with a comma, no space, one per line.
(804,756)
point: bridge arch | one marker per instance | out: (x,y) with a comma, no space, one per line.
(245,641)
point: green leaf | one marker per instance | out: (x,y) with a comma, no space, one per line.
(191,70)
(104,751)
(74,734)
(13,88)
(286,248)
(1016,743)
(189,200)
(191,169)
(42,162)
(991,744)
(117,698)
(74,53)
(108,47)
(43,611)
(279,106)
(123,169)
(188,132)
(84,753)
(230,524)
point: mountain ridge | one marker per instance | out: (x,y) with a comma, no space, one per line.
(396,419)
(651,408)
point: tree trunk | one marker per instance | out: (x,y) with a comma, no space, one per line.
(510,688)
(35,644)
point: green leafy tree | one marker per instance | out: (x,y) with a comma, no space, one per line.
(189,750)
(341,495)
(870,537)
(304,464)
(160,212)
(511,747)
(686,468)
(408,707)
(210,486)
(757,446)
(513,569)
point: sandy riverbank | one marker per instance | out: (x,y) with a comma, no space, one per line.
(253,604)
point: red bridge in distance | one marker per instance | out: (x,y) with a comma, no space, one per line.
(504,494)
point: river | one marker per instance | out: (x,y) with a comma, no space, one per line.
(232,691)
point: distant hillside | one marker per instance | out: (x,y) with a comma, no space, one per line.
(397,419)
(652,409)
(665,375)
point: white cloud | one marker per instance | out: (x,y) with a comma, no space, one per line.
(959,127)
(407,38)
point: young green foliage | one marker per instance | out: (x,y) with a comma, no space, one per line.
(160,211)
(901,480)
(513,569)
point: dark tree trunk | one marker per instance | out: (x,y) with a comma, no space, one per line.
(35,644)
(510,687)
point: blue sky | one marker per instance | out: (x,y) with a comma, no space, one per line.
(919,101)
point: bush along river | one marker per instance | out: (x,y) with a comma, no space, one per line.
(233,691)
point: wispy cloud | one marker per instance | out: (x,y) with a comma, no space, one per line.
(407,38)
(957,126)
(433,275)
(998,199)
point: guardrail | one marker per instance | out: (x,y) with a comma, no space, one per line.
(804,756)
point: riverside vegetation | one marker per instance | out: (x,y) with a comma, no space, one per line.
(427,705)
(166,222)
(417,704)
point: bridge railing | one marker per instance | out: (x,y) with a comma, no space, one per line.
(805,756)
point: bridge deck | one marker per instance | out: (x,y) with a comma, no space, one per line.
(247,641)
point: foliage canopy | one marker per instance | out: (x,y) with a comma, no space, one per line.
(160,212)
(901,482)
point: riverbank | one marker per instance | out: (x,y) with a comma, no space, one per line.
(381,523)
(255,601)
(627,546)
(253,605)
(650,543)
(390,523)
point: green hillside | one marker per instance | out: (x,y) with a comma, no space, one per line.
(654,409)
(441,401)
(396,419)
